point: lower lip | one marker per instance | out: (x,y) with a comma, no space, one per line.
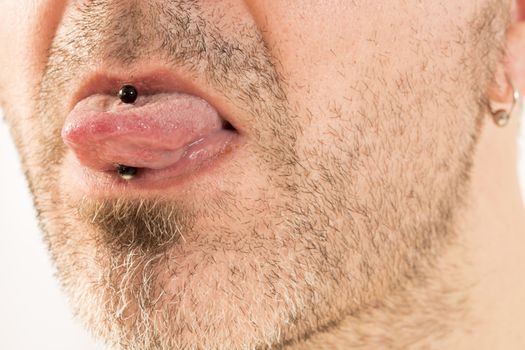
(199,158)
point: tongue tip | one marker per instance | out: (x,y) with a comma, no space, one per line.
(152,135)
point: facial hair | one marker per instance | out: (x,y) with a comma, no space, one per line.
(148,274)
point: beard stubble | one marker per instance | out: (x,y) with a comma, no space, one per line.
(129,256)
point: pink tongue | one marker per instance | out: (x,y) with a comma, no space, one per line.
(151,133)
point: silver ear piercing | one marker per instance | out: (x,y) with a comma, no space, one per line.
(501,117)
(128,94)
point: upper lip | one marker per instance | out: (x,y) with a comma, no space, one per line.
(149,82)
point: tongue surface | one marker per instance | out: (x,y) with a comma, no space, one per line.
(151,133)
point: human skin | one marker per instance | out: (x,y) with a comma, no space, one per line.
(373,203)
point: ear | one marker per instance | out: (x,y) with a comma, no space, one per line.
(512,68)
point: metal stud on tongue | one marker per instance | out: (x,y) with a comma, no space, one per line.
(126,172)
(128,94)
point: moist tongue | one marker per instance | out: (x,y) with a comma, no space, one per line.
(151,133)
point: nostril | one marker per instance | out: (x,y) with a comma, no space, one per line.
(126,172)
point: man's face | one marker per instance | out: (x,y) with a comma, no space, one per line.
(355,125)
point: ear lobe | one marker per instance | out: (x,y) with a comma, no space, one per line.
(515,44)
(508,81)
(515,54)
(512,68)
(519,10)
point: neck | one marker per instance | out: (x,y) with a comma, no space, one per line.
(495,241)
(473,299)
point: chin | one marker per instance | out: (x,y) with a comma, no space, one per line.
(192,294)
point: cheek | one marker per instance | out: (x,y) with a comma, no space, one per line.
(13,59)
(339,63)
(27,29)
(26,32)
(389,108)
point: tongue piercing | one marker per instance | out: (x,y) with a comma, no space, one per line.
(128,94)
(126,172)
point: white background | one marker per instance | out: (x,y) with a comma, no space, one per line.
(33,311)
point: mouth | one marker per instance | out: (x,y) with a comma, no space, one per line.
(165,136)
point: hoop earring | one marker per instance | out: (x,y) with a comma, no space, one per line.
(501,117)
